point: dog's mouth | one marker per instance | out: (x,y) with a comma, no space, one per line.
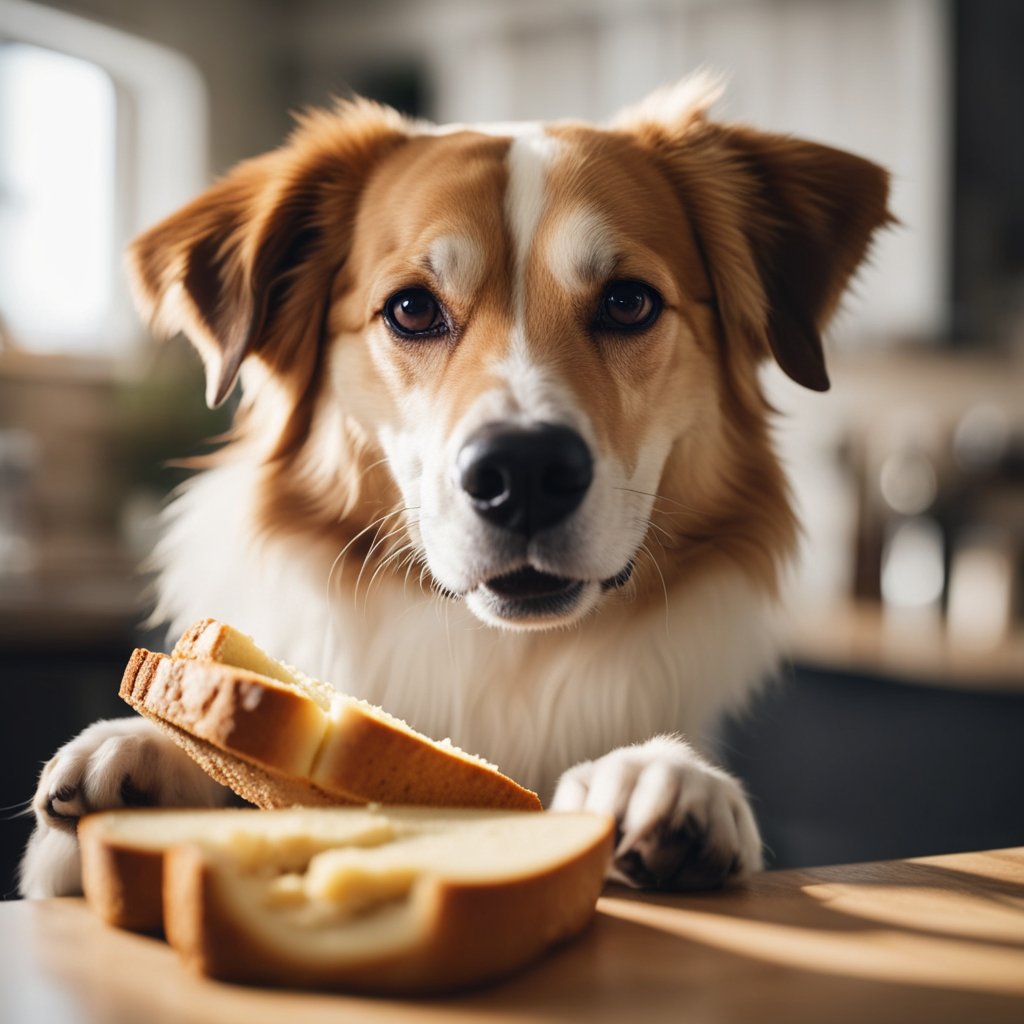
(530,594)
(528,583)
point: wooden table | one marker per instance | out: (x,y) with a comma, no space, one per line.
(928,940)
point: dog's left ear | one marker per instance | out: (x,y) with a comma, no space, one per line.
(783,223)
(811,214)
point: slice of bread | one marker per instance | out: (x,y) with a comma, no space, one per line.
(280,739)
(123,851)
(363,899)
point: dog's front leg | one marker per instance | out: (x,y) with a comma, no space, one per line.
(119,763)
(681,822)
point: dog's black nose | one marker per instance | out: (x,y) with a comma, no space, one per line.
(525,478)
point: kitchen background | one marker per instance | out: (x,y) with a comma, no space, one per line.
(897,728)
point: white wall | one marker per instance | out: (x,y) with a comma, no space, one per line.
(866,75)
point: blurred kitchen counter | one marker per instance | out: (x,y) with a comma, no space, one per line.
(863,638)
(945,429)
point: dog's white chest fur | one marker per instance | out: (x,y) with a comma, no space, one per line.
(535,703)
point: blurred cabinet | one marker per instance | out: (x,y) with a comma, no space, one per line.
(843,767)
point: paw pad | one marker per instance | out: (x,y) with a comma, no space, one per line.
(676,859)
(64,816)
(132,796)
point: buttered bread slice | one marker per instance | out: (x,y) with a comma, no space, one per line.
(279,738)
(123,851)
(362,899)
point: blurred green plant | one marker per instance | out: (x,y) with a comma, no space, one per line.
(162,418)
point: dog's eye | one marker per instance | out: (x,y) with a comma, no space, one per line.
(628,306)
(415,313)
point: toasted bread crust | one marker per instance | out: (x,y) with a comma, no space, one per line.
(275,747)
(203,640)
(238,711)
(374,761)
(123,883)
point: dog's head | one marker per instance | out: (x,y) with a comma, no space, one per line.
(528,353)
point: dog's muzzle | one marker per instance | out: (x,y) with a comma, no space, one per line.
(524,482)
(525,479)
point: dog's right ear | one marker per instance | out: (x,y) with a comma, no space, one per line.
(246,267)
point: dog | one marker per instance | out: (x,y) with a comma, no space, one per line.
(502,461)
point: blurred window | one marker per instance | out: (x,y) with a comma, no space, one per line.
(102,133)
(58,169)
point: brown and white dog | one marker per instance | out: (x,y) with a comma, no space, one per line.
(502,462)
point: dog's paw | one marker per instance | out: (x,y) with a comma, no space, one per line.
(681,822)
(125,762)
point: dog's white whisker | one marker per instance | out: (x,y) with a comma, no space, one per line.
(378,542)
(338,560)
(664,587)
(649,524)
(388,561)
(18,810)
(662,498)
(344,551)
(383,461)
(399,554)
(409,565)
